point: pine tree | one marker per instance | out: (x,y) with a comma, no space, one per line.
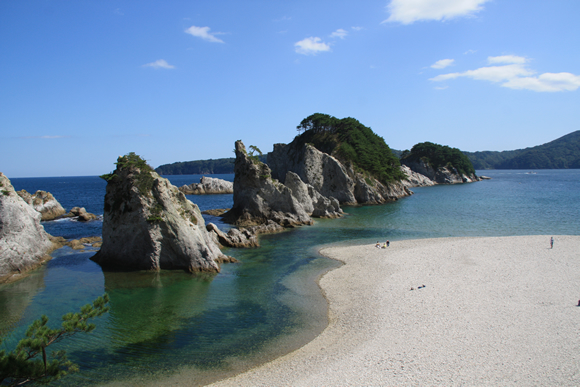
(22,365)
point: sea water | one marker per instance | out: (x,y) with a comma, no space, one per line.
(269,303)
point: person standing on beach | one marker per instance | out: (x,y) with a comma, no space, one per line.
(552,242)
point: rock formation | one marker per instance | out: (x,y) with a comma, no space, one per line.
(258,198)
(44,203)
(441,175)
(208,185)
(24,244)
(148,224)
(81,214)
(415,179)
(330,177)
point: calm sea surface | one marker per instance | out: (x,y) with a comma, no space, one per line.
(268,303)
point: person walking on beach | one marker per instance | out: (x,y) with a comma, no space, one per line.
(552,242)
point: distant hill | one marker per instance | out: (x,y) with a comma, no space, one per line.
(200,167)
(562,153)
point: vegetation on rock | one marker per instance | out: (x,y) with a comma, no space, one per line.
(438,156)
(351,142)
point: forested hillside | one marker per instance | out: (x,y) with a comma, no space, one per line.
(562,153)
(200,167)
(438,156)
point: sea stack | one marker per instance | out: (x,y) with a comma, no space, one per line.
(24,244)
(148,224)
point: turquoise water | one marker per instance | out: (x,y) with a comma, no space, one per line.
(268,303)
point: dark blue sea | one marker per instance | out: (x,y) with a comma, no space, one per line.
(267,304)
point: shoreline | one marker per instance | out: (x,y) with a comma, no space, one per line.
(493,310)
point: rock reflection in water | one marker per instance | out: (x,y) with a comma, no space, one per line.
(15,298)
(147,305)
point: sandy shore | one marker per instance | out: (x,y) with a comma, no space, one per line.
(493,311)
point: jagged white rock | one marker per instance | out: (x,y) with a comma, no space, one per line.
(24,244)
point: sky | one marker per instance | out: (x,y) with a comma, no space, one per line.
(83,82)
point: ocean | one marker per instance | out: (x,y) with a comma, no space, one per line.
(268,303)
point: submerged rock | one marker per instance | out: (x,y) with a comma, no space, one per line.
(148,224)
(44,203)
(24,245)
(208,185)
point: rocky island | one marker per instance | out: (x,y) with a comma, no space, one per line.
(149,224)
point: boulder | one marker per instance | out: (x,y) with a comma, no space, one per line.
(81,214)
(44,203)
(330,177)
(208,185)
(24,244)
(243,237)
(148,224)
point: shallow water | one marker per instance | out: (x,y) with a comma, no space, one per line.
(267,304)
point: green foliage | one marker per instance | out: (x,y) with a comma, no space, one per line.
(561,153)
(253,156)
(438,156)
(350,141)
(143,178)
(21,366)
(155,214)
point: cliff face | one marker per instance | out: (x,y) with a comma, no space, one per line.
(148,224)
(442,175)
(24,244)
(415,179)
(330,177)
(259,198)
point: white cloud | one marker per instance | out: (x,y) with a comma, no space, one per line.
(409,11)
(159,64)
(340,33)
(311,46)
(441,64)
(516,75)
(203,32)
(547,82)
(506,59)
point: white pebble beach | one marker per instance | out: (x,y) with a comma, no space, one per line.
(490,311)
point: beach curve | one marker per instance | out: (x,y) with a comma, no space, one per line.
(445,311)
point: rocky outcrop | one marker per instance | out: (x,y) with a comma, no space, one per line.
(442,175)
(80,214)
(258,198)
(148,224)
(44,203)
(208,185)
(243,237)
(330,177)
(415,179)
(24,244)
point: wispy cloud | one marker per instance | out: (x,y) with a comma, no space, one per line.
(515,74)
(203,33)
(410,11)
(311,46)
(340,33)
(441,64)
(159,64)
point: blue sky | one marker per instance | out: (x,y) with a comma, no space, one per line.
(82,82)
